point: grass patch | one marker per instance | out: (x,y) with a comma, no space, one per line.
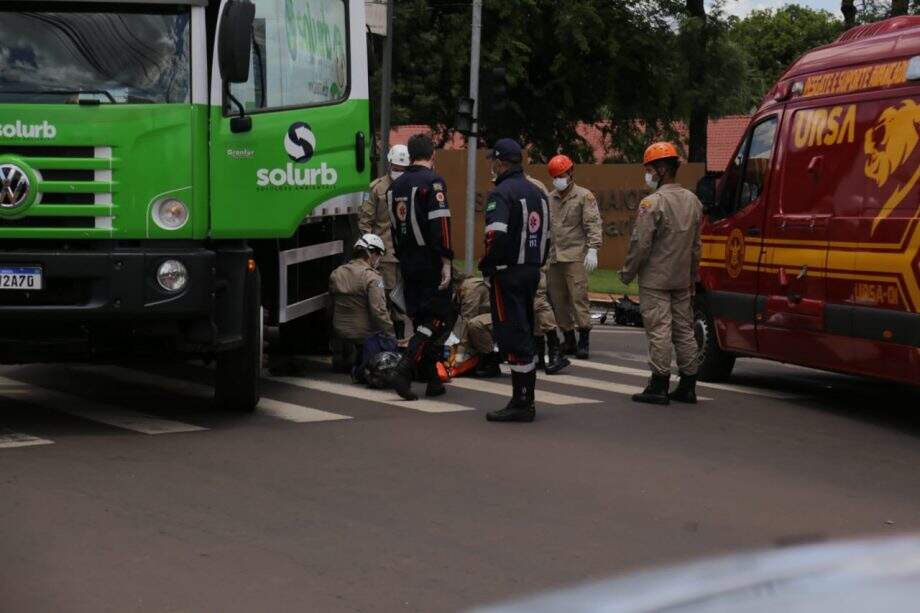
(602,280)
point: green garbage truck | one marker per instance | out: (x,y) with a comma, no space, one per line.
(174,175)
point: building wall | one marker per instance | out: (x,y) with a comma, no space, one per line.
(618,187)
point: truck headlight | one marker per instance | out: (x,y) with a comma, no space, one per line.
(172,275)
(170,214)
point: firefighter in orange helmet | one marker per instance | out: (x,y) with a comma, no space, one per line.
(664,252)
(575,239)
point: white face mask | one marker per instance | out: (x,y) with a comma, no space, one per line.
(560,183)
(395,174)
(651,180)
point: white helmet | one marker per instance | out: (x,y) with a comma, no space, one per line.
(399,155)
(371,243)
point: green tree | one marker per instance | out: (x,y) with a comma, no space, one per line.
(775,38)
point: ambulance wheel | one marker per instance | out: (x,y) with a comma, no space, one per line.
(236,379)
(714,363)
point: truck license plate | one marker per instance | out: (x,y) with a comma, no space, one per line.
(20,277)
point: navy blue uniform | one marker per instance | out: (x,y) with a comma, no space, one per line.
(517,239)
(420,222)
(420,226)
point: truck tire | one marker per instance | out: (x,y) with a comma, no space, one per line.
(714,363)
(236,380)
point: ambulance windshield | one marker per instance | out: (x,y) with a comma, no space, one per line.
(96,53)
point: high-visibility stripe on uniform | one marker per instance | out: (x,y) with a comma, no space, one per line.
(439,213)
(522,250)
(497,226)
(416,230)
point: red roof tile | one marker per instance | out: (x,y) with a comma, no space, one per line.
(723,136)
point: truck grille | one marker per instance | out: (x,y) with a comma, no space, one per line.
(75,186)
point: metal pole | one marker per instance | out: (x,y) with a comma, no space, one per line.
(386,92)
(471,142)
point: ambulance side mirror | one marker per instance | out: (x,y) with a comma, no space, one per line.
(706,192)
(234,46)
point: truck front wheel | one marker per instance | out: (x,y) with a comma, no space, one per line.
(236,382)
(714,363)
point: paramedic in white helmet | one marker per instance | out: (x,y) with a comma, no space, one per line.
(374,218)
(359,304)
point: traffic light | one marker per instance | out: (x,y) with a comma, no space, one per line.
(465,120)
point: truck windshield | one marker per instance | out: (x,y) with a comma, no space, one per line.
(100,53)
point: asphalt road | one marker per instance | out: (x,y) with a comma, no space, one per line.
(122,490)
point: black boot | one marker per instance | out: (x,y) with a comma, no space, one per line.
(435,386)
(488,366)
(540,343)
(401,379)
(656,392)
(582,351)
(685,390)
(521,407)
(557,361)
(569,344)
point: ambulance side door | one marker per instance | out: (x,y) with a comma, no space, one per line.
(732,242)
(794,272)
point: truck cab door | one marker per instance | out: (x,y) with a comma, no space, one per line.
(732,240)
(306,150)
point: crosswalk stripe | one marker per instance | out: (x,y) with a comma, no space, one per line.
(363,393)
(97,411)
(9,439)
(275,408)
(501,389)
(637,372)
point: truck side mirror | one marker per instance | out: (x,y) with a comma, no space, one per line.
(706,192)
(234,46)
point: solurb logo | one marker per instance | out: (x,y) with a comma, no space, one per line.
(28,130)
(300,142)
(300,145)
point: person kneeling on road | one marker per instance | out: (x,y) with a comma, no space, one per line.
(359,304)
(664,252)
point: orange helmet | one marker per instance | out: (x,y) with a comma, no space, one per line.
(559,165)
(659,151)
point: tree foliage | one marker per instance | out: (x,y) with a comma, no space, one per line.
(634,69)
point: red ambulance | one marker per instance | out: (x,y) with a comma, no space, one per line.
(811,247)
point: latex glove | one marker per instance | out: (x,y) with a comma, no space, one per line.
(445,274)
(591,260)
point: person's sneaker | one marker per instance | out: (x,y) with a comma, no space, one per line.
(513,412)
(656,392)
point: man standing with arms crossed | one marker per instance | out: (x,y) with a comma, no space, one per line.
(374,218)
(576,238)
(517,218)
(664,252)
(420,222)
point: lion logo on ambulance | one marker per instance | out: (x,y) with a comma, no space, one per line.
(888,145)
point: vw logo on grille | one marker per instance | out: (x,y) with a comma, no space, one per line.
(14,186)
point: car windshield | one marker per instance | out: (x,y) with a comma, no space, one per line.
(98,53)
